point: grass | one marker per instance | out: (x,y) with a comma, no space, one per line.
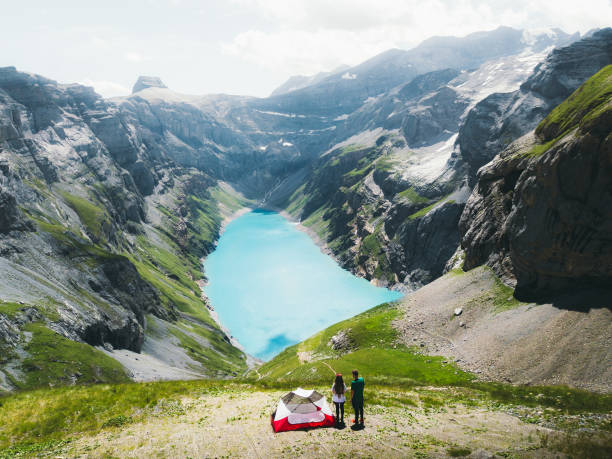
(411,195)
(42,419)
(374,351)
(167,262)
(372,348)
(385,164)
(10,309)
(540,148)
(51,415)
(297,201)
(203,226)
(372,247)
(317,223)
(170,262)
(172,270)
(344,151)
(587,103)
(219,357)
(582,109)
(425,210)
(53,359)
(458,451)
(73,246)
(230,201)
(359,173)
(499,297)
(94,218)
(172,292)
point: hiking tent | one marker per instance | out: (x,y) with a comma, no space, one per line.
(300,409)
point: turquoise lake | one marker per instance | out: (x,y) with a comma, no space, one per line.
(273,287)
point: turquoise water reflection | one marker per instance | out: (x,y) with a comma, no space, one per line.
(273,287)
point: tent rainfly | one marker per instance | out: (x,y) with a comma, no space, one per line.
(301,409)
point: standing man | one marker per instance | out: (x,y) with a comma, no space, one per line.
(357,397)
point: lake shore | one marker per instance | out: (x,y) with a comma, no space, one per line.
(267,262)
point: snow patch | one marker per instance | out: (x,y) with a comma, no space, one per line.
(501,75)
(426,164)
(349,76)
(286,115)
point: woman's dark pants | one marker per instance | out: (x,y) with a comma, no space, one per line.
(339,409)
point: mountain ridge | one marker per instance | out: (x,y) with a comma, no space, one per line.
(108,205)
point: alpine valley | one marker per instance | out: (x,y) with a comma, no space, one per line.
(473,174)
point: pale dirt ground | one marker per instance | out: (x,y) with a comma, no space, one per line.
(237,424)
(530,344)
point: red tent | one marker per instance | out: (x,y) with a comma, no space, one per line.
(301,409)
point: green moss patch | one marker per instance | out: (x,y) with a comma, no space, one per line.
(218,356)
(54,359)
(94,218)
(425,210)
(10,309)
(588,102)
(411,195)
(499,297)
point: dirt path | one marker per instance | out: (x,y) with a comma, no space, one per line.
(237,424)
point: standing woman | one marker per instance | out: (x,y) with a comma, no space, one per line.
(338,390)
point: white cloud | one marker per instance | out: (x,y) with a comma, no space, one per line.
(302,52)
(107,88)
(132,56)
(307,36)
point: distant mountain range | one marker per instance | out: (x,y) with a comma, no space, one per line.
(108,205)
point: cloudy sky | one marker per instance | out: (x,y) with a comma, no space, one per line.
(247,46)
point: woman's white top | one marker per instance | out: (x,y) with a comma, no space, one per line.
(338,398)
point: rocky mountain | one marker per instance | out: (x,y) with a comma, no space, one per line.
(107,206)
(100,245)
(343,92)
(404,162)
(540,213)
(301,81)
(503,117)
(145,82)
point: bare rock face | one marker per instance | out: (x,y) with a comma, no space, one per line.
(541,212)
(9,213)
(342,341)
(133,291)
(11,217)
(425,244)
(145,82)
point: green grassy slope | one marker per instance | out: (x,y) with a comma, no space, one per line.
(589,101)
(370,346)
(43,419)
(589,109)
(166,255)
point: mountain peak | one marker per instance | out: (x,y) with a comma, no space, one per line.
(145,82)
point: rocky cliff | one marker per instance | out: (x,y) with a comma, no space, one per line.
(501,118)
(388,196)
(540,213)
(99,244)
